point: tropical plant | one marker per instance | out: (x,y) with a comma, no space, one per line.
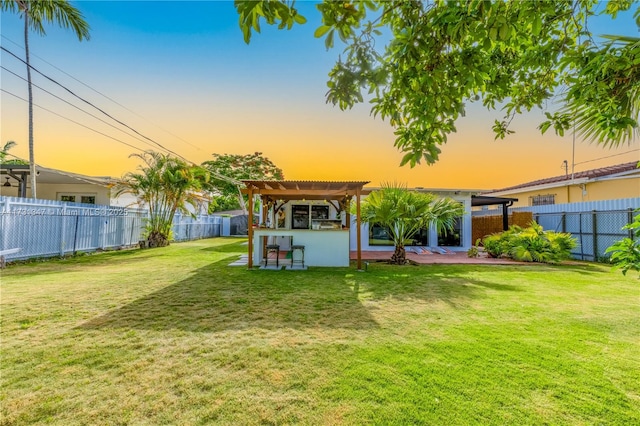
(474,251)
(4,151)
(228,169)
(405,212)
(35,13)
(625,254)
(165,185)
(531,244)
(421,63)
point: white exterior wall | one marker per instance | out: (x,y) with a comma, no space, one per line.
(50,191)
(322,248)
(465,232)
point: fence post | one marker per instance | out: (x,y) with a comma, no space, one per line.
(132,221)
(629,220)
(105,223)
(5,230)
(594,219)
(564,222)
(580,230)
(75,234)
(63,225)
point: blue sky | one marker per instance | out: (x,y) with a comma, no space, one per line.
(195,86)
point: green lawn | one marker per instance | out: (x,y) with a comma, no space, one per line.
(175,336)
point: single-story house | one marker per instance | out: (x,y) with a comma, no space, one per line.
(605,183)
(316,214)
(60,185)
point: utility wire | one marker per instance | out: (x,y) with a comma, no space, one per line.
(211,172)
(77,107)
(75,122)
(102,94)
(63,173)
(89,103)
(215,174)
(609,156)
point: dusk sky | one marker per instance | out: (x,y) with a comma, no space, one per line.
(182,75)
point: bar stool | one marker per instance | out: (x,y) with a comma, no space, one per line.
(300,248)
(270,249)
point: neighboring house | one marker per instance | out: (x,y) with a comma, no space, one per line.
(605,183)
(59,185)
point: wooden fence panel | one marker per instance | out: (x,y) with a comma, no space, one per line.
(482,226)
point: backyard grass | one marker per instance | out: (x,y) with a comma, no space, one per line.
(175,336)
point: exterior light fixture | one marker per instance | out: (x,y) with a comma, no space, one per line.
(6,183)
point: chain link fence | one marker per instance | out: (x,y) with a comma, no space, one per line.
(596,225)
(45,228)
(594,230)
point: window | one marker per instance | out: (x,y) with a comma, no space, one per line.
(319,212)
(300,216)
(542,200)
(451,238)
(77,197)
(381,236)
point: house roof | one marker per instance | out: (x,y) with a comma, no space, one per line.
(52,176)
(481,200)
(587,174)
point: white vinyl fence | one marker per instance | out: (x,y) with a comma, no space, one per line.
(45,228)
(596,225)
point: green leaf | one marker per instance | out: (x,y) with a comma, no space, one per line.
(328,42)
(321,30)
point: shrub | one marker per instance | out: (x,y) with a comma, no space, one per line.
(625,254)
(531,244)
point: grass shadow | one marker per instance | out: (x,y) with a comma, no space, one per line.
(218,297)
(451,284)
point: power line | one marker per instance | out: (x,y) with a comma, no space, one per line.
(94,106)
(609,156)
(76,107)
(63,173)
(105,96)
(215,174)
(73,121)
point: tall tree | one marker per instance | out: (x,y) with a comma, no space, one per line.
(239,167)
(165,185)
(405,212)
(421,62)
(35,13)
(5,150)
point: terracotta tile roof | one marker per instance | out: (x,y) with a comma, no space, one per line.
(589,174)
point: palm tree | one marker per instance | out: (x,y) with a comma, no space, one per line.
(405,212)
(35,14)
(4,151)
(165,185)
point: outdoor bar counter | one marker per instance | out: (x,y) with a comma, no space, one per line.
(322,247)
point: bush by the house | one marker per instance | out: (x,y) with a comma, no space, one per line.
(625,254)
(531,244)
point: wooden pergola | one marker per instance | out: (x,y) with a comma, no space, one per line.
(339,194)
